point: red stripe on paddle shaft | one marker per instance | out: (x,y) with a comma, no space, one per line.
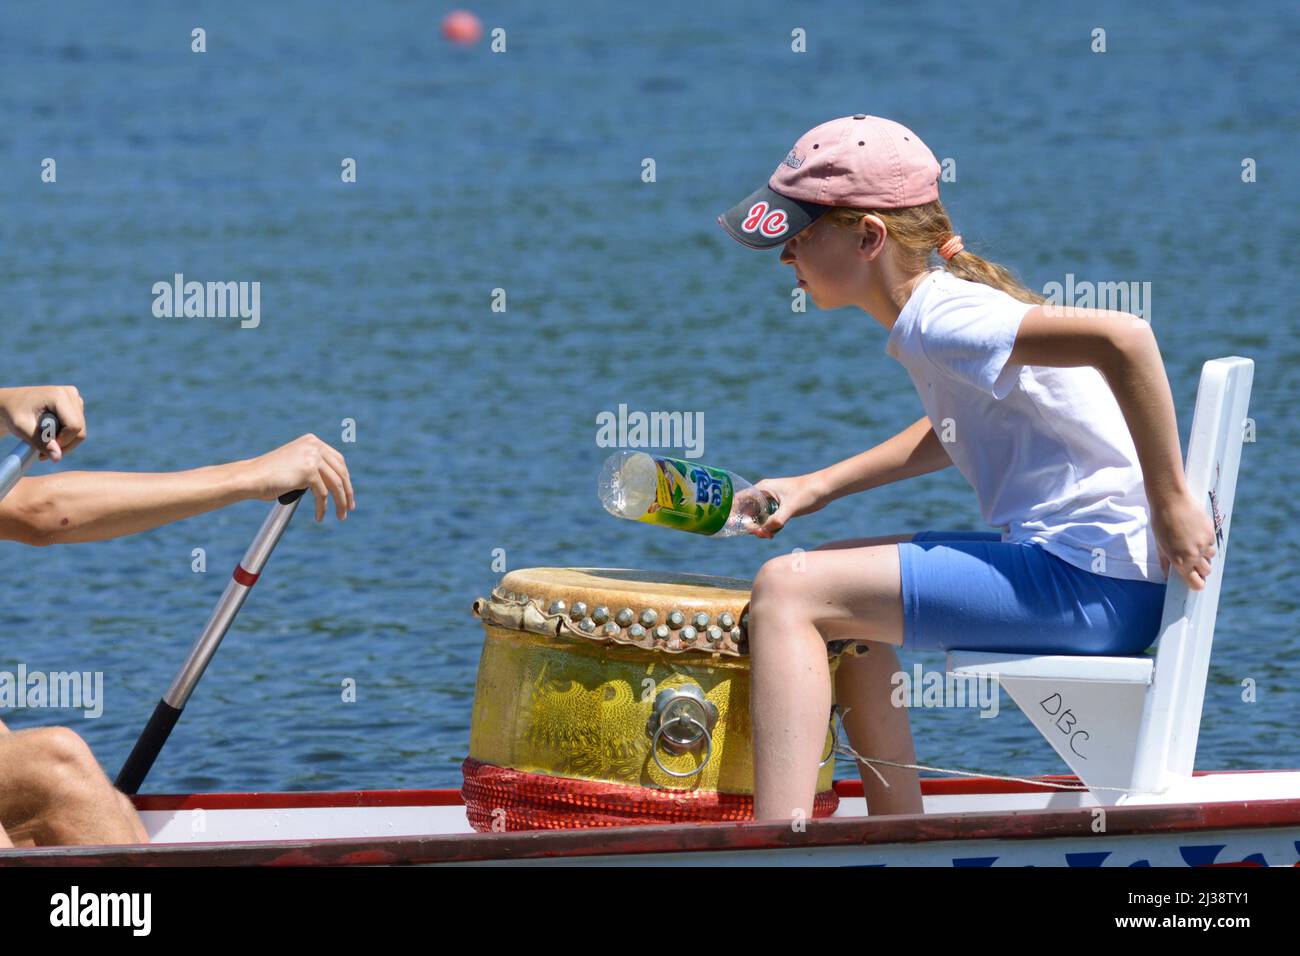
(246,578)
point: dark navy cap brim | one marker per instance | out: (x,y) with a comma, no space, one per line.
(774,224)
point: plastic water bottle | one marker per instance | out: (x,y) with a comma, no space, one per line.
(682,494)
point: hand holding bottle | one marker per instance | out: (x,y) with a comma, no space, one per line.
(800,495)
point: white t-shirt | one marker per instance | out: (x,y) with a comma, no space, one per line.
(1047,450)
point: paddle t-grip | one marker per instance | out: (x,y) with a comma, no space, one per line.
(49,424)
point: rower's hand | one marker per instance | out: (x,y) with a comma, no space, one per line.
(305,462)
(1185,538)
(798,496)
(21,409)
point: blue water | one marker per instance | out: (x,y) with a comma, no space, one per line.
(475,428)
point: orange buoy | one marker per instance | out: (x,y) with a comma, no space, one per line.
(461,26)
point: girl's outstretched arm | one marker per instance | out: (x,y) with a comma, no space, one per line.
(1123,348)
(916,450)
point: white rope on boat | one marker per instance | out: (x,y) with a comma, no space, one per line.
(843,749)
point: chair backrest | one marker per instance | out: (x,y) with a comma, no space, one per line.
(1171,717)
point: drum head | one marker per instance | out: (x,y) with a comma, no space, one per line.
(663,610)
(658,610)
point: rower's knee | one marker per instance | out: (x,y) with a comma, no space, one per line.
(62,766)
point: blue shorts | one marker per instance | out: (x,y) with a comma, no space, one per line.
(973,591)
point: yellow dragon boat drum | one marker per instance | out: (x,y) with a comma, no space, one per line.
(609,697)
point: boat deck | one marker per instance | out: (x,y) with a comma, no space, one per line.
(967,822)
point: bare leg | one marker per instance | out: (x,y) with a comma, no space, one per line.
(5,842)
(864,687)
(876,728)
(798,603)
(790,702)
(54,792)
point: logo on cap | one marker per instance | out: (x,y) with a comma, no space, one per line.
(770,223)
(794,159)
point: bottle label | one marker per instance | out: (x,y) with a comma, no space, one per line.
(690,497)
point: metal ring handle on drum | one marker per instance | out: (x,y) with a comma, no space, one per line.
(708,747)
(835,742)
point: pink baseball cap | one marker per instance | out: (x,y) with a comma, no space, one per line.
(862,161)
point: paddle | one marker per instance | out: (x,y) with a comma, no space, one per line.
(168,711)
(15,464)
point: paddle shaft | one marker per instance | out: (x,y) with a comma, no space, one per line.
(15,464)
(169,708)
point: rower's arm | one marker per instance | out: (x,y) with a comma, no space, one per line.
(78,506)
(916,450)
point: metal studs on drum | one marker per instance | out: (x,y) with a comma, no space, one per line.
(600,615)
(611,629)
(689,634)
(557,607)
(636,631)
(661,632)
(714,633)
(578,611)
(676,619)
(701,621)
(587,625)
(624,617)
(649,616)
(726,621)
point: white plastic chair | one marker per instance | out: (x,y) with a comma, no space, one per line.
(1133,722)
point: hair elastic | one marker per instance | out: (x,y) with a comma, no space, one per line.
(951,247)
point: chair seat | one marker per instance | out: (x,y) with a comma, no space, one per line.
(1111,670)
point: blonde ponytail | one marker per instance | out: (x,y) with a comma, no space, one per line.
(918,232)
